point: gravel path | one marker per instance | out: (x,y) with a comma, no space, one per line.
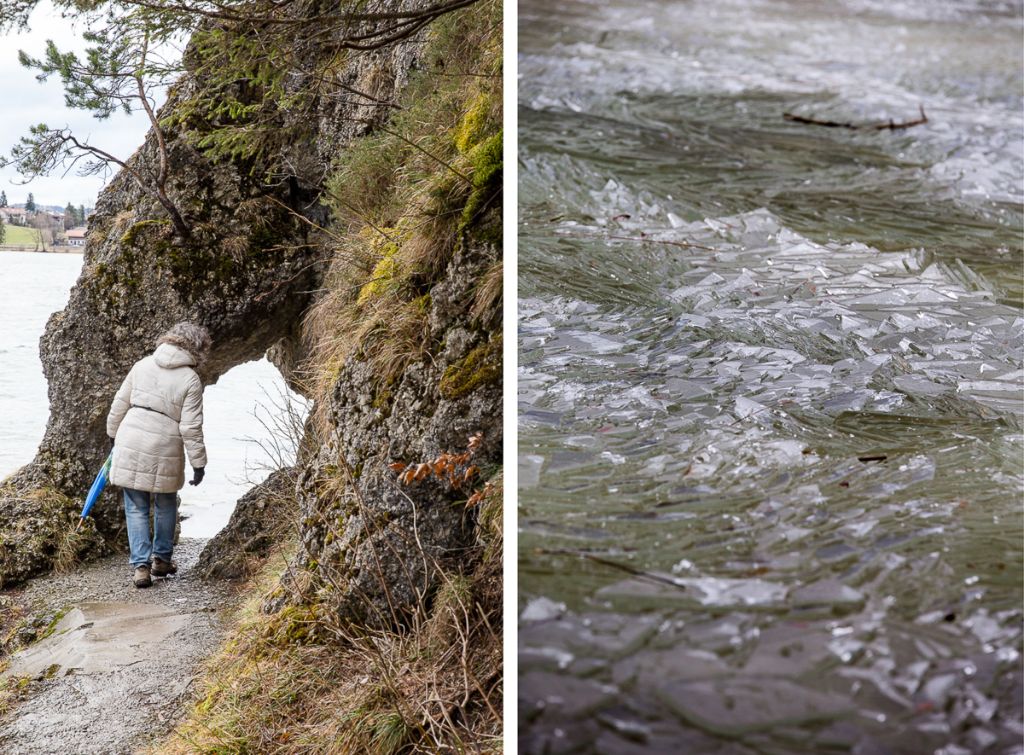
(126,657)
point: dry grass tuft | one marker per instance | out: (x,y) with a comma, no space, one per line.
(299,681)
(487,304)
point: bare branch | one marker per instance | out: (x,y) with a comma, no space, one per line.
(890,125)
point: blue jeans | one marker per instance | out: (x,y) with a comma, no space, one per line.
(136,513)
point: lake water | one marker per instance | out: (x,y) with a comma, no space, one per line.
(38,285)
(771,461)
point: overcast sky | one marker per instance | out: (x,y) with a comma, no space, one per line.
(26,102)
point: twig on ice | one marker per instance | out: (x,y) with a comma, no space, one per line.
(890,126)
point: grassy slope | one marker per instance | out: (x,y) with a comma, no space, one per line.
(296,681)
(16,235)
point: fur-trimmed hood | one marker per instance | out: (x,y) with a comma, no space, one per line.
(169,356)
(189,337)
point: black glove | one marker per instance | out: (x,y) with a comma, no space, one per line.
(197,475)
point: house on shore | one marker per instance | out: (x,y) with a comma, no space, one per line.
(76,236)
(14,215)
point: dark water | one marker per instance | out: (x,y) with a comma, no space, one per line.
(779,368)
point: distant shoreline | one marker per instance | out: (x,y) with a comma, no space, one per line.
(52,250)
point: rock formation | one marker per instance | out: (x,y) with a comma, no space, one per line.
(247,273)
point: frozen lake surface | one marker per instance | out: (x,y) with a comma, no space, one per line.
(771,461)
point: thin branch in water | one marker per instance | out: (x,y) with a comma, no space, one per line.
(886,126)
(643,239)
(615,565)
(680,244)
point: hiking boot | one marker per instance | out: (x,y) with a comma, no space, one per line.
(162,568)
(141,577)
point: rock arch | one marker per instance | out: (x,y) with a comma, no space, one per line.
(247,282)
(246,273)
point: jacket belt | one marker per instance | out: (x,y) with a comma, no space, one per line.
(151,409)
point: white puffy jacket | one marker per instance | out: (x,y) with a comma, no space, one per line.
(156,415)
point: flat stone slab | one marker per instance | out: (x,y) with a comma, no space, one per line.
(99,638)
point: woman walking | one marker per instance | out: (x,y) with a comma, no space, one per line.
(157,416)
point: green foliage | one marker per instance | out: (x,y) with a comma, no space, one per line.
(97,83)
(238,112)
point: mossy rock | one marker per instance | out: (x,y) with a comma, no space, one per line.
(480,367)
(383,276)
(294,625)
(129,237)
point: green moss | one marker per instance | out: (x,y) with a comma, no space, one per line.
(293,625)
(382,399)
(471,129)
(194,267)
(105,277)
(423,304)
(53,623)
(487,172)
(383,276)
(481,366)
(129,237)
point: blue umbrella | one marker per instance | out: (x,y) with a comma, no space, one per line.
(97,487)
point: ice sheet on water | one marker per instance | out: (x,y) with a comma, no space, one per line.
(706,591)
(887,454)
(737,706)
(541,609)
(854,313)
